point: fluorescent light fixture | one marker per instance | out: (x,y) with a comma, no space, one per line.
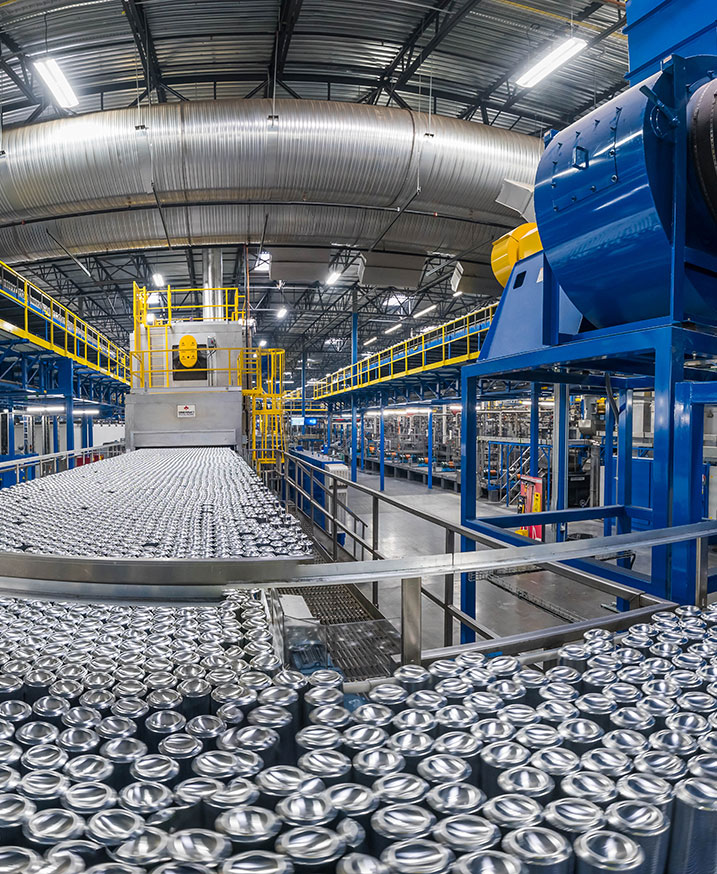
(54,78)
(370,341)
(545,66)
(262,343)
(154,298)
(333,277)
(88,411)
(158,280)
(281,313)
(425,311)
(150,318)
(263,262)
(457,293)
(52,409)
(393,328)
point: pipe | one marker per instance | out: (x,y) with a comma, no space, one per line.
(325,173)
(213,281)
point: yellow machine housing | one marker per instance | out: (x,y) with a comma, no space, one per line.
(513,247)
(188,351)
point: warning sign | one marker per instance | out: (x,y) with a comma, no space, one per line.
(186,411)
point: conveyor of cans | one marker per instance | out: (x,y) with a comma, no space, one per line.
(172,740)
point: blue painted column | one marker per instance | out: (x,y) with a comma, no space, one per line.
(329,411)
(55,434)
(381,452)
(303,392)
(469,482)
(561,420)
(430,450)
(354,380)
(534,428)
(363,438)
(65,373)
(624,474)
(609,462)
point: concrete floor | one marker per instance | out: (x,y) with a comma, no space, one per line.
(401,534)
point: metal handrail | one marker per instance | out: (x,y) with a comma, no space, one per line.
(451,563)
(65,333)
(360,374)
(40,463)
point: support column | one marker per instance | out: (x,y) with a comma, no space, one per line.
(559,460)
(66,372)
(624,474)
(430,450)
(303,393)
(329,410)
(354,439)
(469,482)
(381,449)
(534,428)
(55,434)
(363,439)
(609,475)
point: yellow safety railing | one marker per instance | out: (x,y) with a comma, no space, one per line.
(167,306)
(49,325)
(454,342)
(153,367)
(261,375)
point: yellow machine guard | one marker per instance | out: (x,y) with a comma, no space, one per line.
(188,351)
(511,248)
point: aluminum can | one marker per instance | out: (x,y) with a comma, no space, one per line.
(591,786)
(454,798)
(669,767)
(262,741)
(182,749)
(369,765)
(488,862)
(538,737)
(398,822)
(146,850)
(45,757)
(86,799)
(44,788)
(400,788)
(612,763)
(334,717)
(491,731)
(624,740)
(144,798)
(532,681)
(113,827)
(499,757)
(355,739)
(317,737)
(257,862)
(528,781)
(580,735)
(413,678)
(390,695)
(15,811)
(299,810)
(161,724)
(19,860)
(377,715)
(320,696)
(648,826)
(601,851)
(311,849)
(330,766)
(353,800)
(541,850)
(466,833)
(573,816)
(425,699)
(444,769)
(554,712)
(693,849)
(509,812)
(678,743)
(455,689)
(633,719)
(281,780)
(199,846)
(206,728)
(414,720)
(360,863)
(48,827)
(411,856)
(485,704)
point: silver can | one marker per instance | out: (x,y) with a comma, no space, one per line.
(497,758)
(353,800)
(648,826)
(311,849)
(573,816)
(528,781)
(455,798)
(398,822)
(257,862)
(488,862)
(415,855)
(466,833)
(400,788)
(541,850)
(693,849)
(601,850)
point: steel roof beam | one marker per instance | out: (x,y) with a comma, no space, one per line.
(147,51)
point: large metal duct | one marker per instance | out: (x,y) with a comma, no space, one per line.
(223,173)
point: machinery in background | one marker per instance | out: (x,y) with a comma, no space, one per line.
(623,298)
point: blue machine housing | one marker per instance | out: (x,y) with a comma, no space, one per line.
(603,201)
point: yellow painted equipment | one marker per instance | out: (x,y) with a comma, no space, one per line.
(513,247)
(188,352)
